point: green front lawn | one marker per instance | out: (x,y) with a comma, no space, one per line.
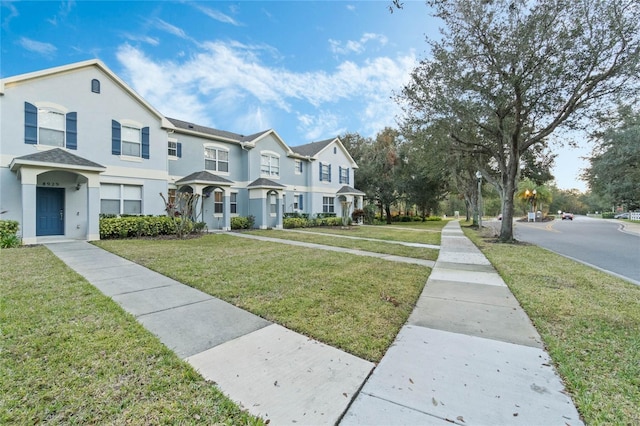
(410,232)
(355,303)
(70,355)
(310,236)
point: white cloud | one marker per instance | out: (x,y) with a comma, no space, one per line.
(13,13)
(142,38)
(217,15)
(63,11)
(230,83)
(171,29)
(356,46)
(42,48)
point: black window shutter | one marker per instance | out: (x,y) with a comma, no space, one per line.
(30,123)
(115,137)
(179,150)
(72,130)
(145,142)
(320,172)
(300,202)
(329,172)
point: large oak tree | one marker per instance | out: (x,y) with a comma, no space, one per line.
(506,74)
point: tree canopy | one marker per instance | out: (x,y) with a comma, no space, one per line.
(507,73)
(614,172)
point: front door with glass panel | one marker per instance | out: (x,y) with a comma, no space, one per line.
(49,211)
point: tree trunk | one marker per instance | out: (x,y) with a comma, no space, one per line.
(387,210)
(509,184)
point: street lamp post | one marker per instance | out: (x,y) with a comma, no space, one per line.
(479,177)
(531,197)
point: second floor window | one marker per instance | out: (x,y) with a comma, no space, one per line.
(344,175)
(50,126)
(216,159)
(298,167)
(325,172)
(131,141)
(270,165)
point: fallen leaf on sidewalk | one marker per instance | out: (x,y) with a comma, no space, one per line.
(460,418)
(435,403)
(411,380)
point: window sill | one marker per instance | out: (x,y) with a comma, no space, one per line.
(130,158)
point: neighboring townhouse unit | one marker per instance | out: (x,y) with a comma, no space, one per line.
(77,142)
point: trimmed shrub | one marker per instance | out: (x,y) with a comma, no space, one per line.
(295,222)
(241,222)
(608,215)
(135,226)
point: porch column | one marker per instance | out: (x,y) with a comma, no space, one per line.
(93,208)
(279,211)
(226,210)
(29,215)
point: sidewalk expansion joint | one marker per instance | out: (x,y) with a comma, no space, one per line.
(413,409)
(175,307)
(144,289)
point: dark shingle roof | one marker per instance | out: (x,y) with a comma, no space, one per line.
(349,190)
(262,182)
(214,132)
(311,149)
(204,176)
(58,156)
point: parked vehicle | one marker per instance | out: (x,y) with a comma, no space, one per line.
(567,215)
(622,216)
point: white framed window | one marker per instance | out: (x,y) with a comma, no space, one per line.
(327,205)
(172,149)
(298,167)
(216,159)
(297,202)
(269,164)
(273,204)
(131,141)
(120,199)
(233,202)
(325,172)
(218,202)
(344,175)
(51,129)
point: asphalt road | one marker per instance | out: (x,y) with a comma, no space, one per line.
(596,242)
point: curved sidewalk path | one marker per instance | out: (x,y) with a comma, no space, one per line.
(467,355)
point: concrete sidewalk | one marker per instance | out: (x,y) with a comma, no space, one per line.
(468,355)
(274,373)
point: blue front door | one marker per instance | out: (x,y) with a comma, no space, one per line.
(49,211)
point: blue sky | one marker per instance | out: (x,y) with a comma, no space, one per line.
(311,70)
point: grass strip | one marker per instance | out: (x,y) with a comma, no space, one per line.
(589,321)
(351,302)
(364,245)
(411,232)
(70,355)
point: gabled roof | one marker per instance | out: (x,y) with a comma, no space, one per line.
(350,191)
(219,134)
(314,149)
(264,183)
(96,63)
(56,157)
(204,177)
(311,149)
